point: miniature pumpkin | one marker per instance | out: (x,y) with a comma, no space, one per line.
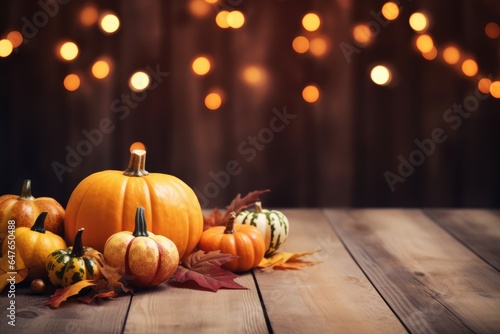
(272,224)
(73,264)
(105,203)
(33,245)
(25,209)
(146,259)
(244,241)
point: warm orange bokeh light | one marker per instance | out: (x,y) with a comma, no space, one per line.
(213,101)
(212,1)
(110,23)
(381,75)
(451,55)
(362,34)
(318,46)
(100,69)
(5,48)
(310,93)
(492,30)
(201,65)
(89,15)
(495,89)
(300,44)
(199,8)
(390,10)
(68,51)
(139,81)
(221,19)
(71,82)
(253,75)
(424,43)
(469,67)
(235,19)
(137,146)
(484,85)
(15,37)
(419,22)
(311,22)
(431,54)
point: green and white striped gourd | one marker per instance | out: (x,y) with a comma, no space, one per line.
(272,224)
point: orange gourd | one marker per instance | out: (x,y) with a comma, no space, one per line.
(104,203)
(25,209)
(244,241)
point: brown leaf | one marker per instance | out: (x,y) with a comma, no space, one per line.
(237,205)
(205,269)
(10,271)
(60,295)
(286,261)
(114,279)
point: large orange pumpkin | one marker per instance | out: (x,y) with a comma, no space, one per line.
(105,202)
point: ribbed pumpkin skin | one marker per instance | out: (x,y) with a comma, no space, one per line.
(147,261)
(105,202)
(246,242)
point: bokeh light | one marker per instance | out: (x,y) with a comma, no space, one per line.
(492,30)
(469,67)
(235,19)
(139,81)
(213,101)
(318,46)
(100,69)
(89,15)
(419,22)
(390,11)
(5,48)
(201,65)
(15,37)
(311,22)
(211,1)
(221,19)
(310,93)
(110,23)
(199,8)
(68,51)
(381,75)
(71,82)
(362,34)
(495,89)
(424,43)
(451,55)
(253,75)
(430,55)
(300,44)
(484,85)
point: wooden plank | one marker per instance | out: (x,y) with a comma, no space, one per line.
(71,317)
(333,296)
(169,309)
(479,229)
(433,282)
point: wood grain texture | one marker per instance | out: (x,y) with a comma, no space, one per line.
(331,297)
(72,317)
(431,281)
(477,228)
(168,309)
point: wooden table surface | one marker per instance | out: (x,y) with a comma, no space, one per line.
(381,271)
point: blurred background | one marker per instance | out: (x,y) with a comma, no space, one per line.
(349,103)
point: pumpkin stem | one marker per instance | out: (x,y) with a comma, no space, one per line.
(26,192)
(137,164)
(230,223)
(258,207)
(38,226)
(78,250)
(140,223)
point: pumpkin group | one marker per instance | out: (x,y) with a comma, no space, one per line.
(33,245)
(73,264)
(105,202)
(145,259)
(25,209)
(244,241)
(272,224)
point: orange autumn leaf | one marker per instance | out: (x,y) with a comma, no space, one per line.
(64,293)
(10,271)
(286,261)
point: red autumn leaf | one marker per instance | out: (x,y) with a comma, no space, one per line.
(64,293)
(237,205)
(205,269)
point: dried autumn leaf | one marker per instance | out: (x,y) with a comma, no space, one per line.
(237,205)
(286,260)
(9,271)
(60,295)
(114,279)
(205,269)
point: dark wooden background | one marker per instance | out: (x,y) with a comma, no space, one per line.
(333,153)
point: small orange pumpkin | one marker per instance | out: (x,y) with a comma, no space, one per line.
(25,209)
(145,259)
(104,203)
(244,241)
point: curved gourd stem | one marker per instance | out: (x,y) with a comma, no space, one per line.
(78,250)
(38,225)
(140,223)
(26,191)
(230,224)
(137,164)
(258,207)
